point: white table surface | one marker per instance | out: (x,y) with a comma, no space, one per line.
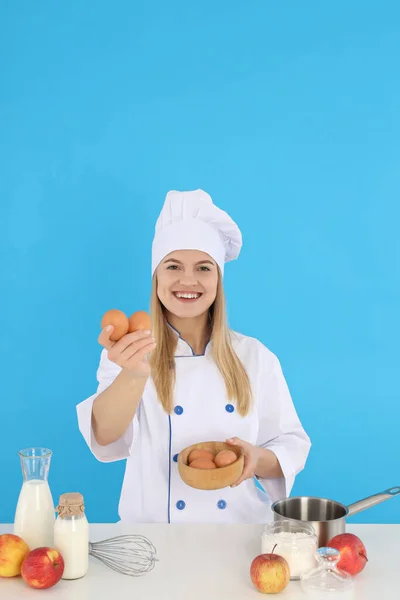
(209,562)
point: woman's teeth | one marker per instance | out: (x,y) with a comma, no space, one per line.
(187,296)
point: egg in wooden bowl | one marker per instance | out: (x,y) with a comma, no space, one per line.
(212,478)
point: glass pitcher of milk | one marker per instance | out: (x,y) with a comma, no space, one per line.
(35,513)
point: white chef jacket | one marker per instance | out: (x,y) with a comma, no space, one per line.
(152,489)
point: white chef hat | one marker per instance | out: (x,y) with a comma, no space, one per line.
(191,221)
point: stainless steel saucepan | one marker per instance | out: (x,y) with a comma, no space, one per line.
(326,516)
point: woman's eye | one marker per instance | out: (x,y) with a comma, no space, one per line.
(203,268)
(171,267)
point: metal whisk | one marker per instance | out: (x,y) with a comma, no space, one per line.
(132,555)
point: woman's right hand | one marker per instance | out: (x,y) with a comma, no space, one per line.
(130,352)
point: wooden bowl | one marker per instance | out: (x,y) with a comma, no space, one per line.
(210,479)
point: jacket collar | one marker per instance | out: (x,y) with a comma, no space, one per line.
(183,348)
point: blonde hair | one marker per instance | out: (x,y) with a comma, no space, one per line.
(162,361)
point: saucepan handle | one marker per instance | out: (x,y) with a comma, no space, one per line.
(357,507)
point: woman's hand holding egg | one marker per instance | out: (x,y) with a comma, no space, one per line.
(251,458)
(128,341)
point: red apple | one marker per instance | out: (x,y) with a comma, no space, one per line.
(270,573)
(42,568)
(353,555)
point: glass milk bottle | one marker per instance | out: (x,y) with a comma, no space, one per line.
(35,515)
(71,535)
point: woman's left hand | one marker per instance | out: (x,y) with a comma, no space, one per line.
(251,458)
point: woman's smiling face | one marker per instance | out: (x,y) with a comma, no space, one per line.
(187,282)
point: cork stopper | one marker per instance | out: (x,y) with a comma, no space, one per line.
(71,505)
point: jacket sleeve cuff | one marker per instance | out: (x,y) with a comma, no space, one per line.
(280,487)
(118,450)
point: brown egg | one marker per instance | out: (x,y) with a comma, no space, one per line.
(202,463)
(139,320)
(119,320)
(205,454)
(225,458)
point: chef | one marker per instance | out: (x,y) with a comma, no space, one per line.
(193,379)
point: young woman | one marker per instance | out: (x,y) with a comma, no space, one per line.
(190,380)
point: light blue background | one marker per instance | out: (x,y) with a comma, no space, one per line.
(287,113)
